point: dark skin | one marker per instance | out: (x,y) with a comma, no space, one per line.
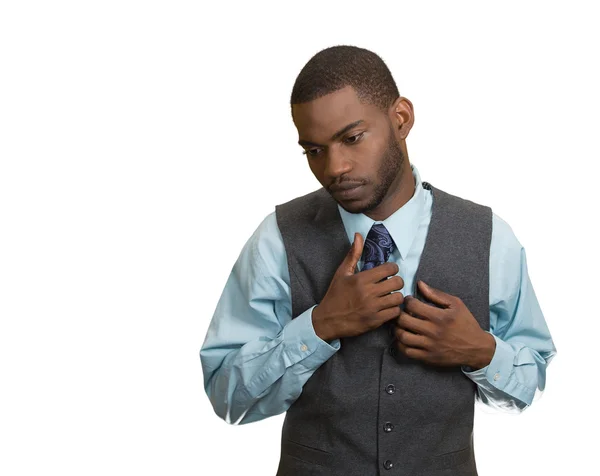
(347,141)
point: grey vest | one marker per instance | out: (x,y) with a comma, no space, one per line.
(370,410)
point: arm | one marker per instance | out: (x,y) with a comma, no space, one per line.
(524,346)
(255,358)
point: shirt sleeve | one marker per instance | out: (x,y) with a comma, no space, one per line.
(524,346)
(255,358)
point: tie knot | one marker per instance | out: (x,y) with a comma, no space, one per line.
(378,246)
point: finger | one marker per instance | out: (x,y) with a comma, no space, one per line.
(392,284)
(421,309)
(411,339)
(383,271)
(434,295)
(353,256)
(390,300)
(412,352)
(388,314)
(415,325)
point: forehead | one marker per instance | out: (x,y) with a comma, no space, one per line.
(318,119)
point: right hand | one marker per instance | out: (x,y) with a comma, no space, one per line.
(357,302)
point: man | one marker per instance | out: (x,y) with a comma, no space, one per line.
(375,309)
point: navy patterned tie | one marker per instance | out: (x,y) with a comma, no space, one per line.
(378,246)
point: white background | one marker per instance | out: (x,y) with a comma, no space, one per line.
(141,144)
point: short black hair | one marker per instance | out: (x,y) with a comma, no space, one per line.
(339,66)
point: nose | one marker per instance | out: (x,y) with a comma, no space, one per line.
(336,164)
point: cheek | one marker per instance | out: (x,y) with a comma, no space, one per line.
(317,170)
(315,167)
(373,152)
(364,157)
(375,164)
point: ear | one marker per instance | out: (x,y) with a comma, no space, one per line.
(402,117)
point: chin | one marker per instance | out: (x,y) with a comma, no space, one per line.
(353,206)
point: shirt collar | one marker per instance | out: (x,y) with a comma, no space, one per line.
(402,224)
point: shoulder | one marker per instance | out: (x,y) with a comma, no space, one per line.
(303,204)
(502,233)
(266,250)
(266,240)
(457,204)
(504,239)
(507,257)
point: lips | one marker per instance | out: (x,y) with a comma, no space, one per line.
(347,193)
(344,186)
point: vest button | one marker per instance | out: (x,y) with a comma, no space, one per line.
(393,350)
(387,464)
(388,427)
(390,388)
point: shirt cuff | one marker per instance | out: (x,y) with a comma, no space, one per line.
(303,344)
(499,373)
(498,370)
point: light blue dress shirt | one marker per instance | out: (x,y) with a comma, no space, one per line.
(255,358)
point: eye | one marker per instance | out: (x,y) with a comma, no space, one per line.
(308,152)
(358,137)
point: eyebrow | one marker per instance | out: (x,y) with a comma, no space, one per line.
(335,136)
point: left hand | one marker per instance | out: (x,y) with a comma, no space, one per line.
(446,337)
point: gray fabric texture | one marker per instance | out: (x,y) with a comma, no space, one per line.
(369,409)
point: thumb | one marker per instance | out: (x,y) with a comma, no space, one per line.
(353,255)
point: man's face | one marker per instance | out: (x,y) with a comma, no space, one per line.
(366,154)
